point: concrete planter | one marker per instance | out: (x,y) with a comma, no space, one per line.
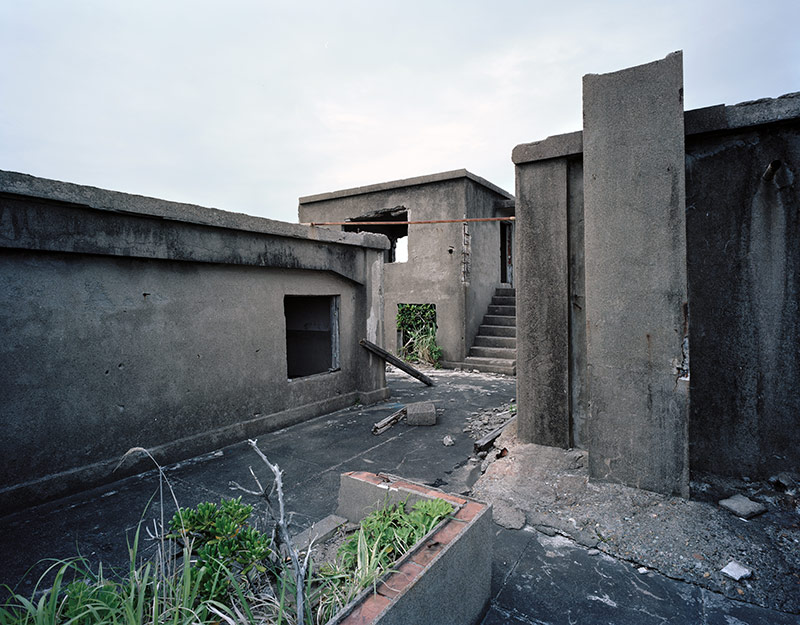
(444,579)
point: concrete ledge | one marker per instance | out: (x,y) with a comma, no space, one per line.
(445,579)
(14,183)
(556,146)
(407,182)
(754,113)
(716,118)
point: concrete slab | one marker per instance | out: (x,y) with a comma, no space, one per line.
(742,506)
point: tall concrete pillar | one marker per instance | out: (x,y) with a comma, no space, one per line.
(636,294)
(542,302)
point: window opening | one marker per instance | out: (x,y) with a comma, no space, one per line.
(312,334)
(398,234)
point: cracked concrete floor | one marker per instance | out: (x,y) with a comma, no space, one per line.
(540,576)
(547,490)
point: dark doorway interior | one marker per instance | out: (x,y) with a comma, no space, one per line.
(507,252)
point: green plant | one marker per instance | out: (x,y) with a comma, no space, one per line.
(222,542)
(416,325)
(382,538)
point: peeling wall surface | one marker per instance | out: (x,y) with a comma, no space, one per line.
(131,322)
(744,286)
(741,255)
(444,268)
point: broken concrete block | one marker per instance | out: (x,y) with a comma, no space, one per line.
(421,413)
(508,516)
(743,507)
(319,532)
(448,441)
(736,571)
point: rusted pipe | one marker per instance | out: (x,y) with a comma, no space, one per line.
(404,223)
(773,167)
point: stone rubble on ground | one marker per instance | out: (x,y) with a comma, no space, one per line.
(742,506)
(448,441)
(736,571)
(481,423)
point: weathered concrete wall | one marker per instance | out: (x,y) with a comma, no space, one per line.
(744,288)
(542,303)
(742,274)
(434,271)
(131,321)
(551,320)
(636,294)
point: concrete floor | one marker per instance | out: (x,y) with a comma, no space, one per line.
(536,578)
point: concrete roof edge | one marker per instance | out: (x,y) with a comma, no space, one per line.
(696,121)
(116,201)
(750,113)
(555,146)
(405,182)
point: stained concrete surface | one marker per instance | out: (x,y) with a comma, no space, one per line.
(538,577)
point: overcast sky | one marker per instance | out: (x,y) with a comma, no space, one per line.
(248,105)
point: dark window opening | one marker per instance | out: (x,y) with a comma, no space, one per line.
(312,334)
(396,233)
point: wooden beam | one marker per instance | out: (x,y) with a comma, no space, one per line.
(384,424)
(482,444)
(394,360)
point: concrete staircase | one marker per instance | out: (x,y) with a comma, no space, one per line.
(495,347)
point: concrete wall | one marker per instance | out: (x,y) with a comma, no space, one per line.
(131,321)
(744,279)
(741,269)
(434,272)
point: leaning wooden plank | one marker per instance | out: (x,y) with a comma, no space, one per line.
(384,424)
(394,360)
(482,444)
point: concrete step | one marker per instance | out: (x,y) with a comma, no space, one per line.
(504,300)
(502,310)
(493,352)
(500,320)
(490,365)
(497,331)
(509,342)
(505,291)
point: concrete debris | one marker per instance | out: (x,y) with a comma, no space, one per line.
(448,441)
(508,516)
(642,570)
(743,507)
(736,571)
(784,483)
(421,413)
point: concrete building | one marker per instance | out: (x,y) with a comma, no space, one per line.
(456,266)
(652,230)
(130,321)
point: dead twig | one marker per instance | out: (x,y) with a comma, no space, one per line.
(281,533)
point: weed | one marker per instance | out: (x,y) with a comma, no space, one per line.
(416,324)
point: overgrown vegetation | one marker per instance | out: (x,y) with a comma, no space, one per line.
(214,567)
(416,324)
